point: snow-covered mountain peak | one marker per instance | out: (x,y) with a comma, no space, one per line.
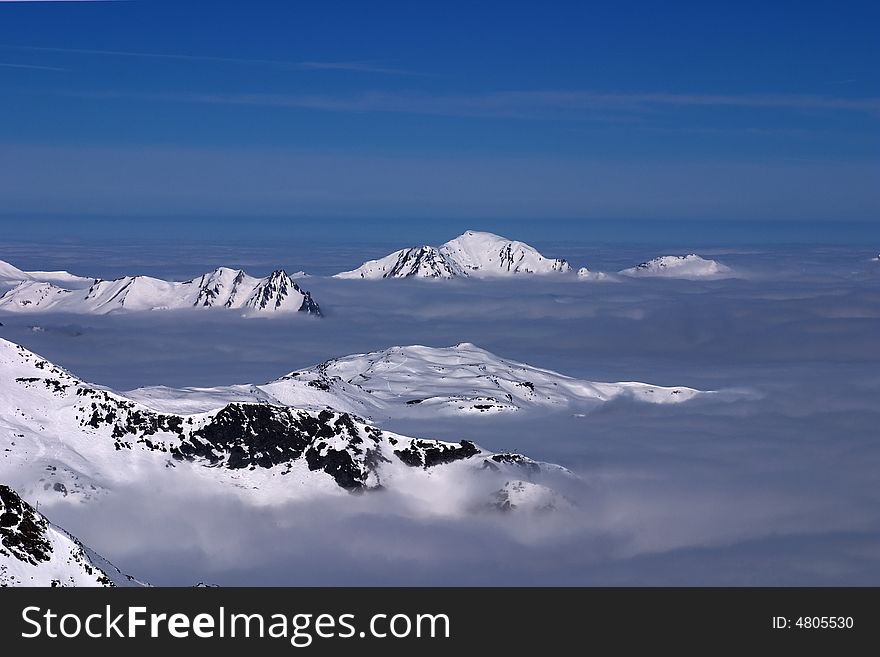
(466,345)
(278,291)
(487,254)
(220,287)
(472,254)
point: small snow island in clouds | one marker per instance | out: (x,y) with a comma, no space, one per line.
(678,266)
(221,288)
(472,254)
(585,274)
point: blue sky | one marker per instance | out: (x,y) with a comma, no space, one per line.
(455,111)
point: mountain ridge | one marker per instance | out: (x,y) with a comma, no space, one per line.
(221,288)
(67,439)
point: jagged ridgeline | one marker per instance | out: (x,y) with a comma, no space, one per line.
(221,288)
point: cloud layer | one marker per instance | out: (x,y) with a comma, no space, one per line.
(778,486)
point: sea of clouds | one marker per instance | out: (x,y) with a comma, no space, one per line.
(778,483)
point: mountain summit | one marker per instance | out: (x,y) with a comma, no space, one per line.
(472,254)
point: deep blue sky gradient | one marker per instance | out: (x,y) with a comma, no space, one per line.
(458,111)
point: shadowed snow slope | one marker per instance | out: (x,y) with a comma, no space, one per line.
(34,552)
(221,288)
(472,254)
(689,266)
(63,438)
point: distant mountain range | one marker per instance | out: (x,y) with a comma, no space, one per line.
(221,288)
(472,254)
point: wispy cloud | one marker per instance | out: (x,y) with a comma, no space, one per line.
(356,66)
(30,66)
(514,104)
(364,67)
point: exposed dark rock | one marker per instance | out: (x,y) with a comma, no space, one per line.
(309,305)
(22,531)
(428,453)
(259,435)
(519,460)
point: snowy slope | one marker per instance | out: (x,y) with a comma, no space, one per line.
(485,254)
(417,381)
(223,287)
(61,438)
(419,262)
(472,254)
(462,379)
(34,552)
(9,272)
(689,266)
